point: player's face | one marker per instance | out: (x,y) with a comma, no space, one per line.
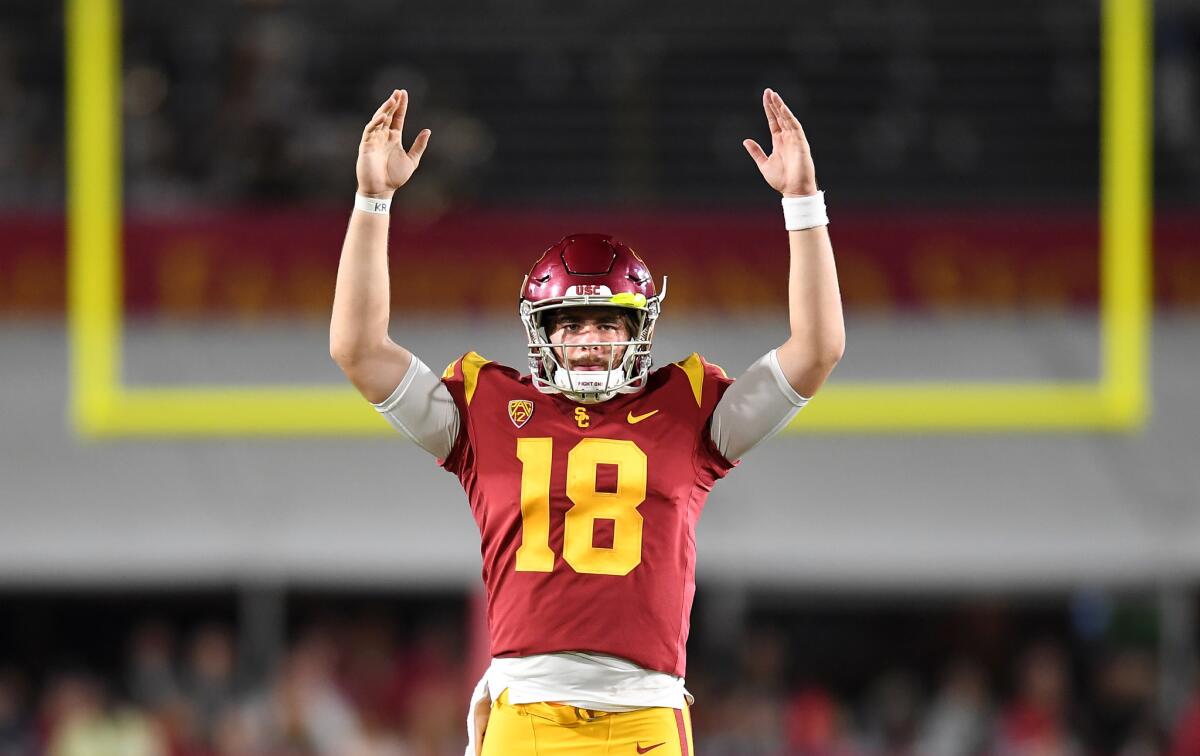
(586,331)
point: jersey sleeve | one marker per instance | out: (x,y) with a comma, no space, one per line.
(461,378)
(708,384)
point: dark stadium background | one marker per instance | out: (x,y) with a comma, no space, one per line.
(968,594)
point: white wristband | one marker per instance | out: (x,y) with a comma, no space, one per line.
(800,213)
(369,205)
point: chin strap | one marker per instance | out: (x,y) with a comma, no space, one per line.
(588,381)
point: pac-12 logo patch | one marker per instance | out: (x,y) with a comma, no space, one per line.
(519,411)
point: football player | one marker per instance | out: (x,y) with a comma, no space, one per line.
(587,475)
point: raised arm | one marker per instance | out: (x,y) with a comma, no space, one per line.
(818,335)
(358,331)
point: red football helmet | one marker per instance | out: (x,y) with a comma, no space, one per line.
(590,270)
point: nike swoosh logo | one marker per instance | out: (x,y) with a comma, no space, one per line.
(656,745)
(635,419)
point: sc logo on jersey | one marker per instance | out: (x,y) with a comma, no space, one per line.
(519,411)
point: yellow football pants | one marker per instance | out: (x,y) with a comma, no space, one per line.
(544,729)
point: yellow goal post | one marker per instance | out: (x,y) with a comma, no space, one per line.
(103,406)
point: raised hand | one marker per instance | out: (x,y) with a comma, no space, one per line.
(383,164)
(789,168)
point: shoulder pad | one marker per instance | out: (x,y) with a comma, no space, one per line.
(466,370)
(695,368)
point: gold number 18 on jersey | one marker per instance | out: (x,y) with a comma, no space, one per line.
(589,505)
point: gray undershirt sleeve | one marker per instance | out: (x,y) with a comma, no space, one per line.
(755,407)
(422,409)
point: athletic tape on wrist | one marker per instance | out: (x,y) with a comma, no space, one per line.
(370,205)
(800,213)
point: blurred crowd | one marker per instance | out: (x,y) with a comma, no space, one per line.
(962,711)
(354,690)
(262,101)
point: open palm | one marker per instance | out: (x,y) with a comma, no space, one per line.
(383,164)
(789,168)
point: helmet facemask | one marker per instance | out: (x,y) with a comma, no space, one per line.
(551,373)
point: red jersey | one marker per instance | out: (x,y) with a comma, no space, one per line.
(587,512)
